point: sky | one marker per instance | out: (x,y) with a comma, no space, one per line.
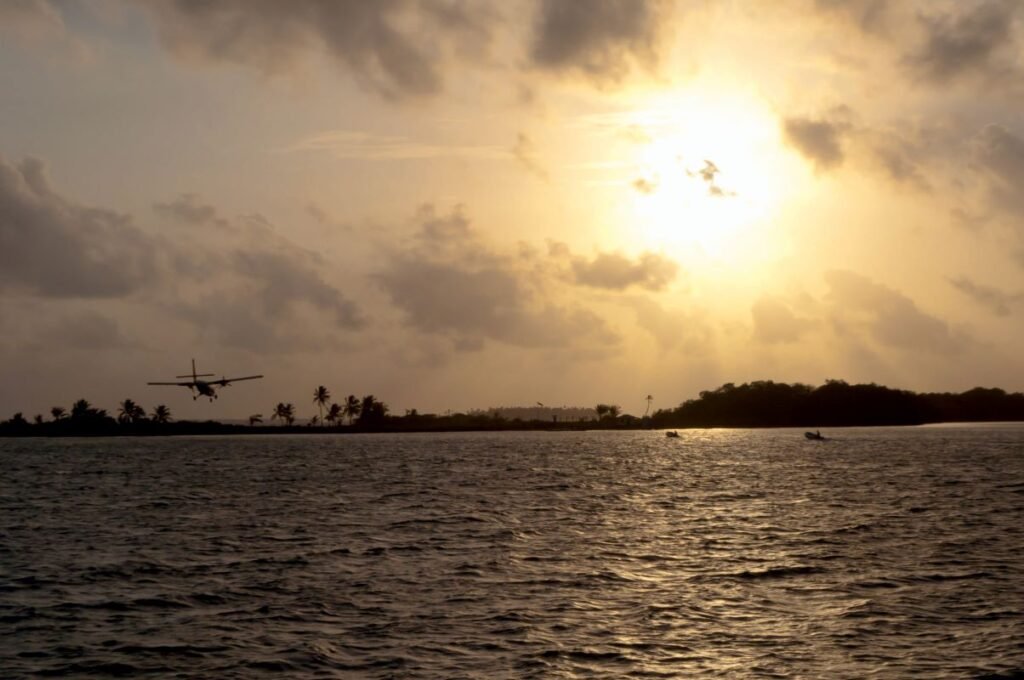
(456,204)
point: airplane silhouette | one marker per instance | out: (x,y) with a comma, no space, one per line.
(204,388)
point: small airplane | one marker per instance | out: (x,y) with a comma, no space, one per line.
(204,388)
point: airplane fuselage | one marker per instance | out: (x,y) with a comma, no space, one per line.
(205,389)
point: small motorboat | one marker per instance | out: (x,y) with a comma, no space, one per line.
(816,436)
(672,434)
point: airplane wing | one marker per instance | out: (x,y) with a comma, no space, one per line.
(177,384)
(225,381)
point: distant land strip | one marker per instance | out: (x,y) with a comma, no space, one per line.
(762,403)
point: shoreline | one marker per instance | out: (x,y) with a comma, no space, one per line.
(206,428)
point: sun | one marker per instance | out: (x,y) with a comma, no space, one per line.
(712,172)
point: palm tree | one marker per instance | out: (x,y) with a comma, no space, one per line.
(130,412)
(372,410)
(320,397)
(58,413)
(256,418)
(161,414)
(285,412)
(279,412)
(314,421)
(334,414)
(614,411)
(38,419)
(352,407)
(80,409)
(602,411)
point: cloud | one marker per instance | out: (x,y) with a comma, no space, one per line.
(818,140)
(900,151)
(447,282)
(353,144)
(30,18)
(251,288)
(964,43)
(996,301)
(869,15)
(644,185)
(281,279)
(999,153)
(188,209)
(240,281)
(707,174)
(774,322)
(673,329)
(526,154)
(888,316)
(614,271)
(86,330)
(601,39)
(52,246)
(232,318)
(396,48)
(898,157)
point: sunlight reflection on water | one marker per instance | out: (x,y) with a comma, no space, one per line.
(890,552)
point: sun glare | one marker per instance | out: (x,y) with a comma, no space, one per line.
(711,173)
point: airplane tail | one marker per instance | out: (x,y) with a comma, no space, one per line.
(195,375)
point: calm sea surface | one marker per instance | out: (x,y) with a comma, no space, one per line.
(882,553)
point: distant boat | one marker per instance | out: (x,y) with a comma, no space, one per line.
(816,436)
(671,433)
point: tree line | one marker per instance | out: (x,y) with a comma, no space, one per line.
(131,418)
(835,404)
(762,403)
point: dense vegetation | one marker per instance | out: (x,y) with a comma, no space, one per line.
(836,403)
(757,404)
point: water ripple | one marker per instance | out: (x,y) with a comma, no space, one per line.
(891,553)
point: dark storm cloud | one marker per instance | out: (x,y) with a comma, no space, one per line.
(601,39)
(52,246)
(968,42)
(394,47)
(889,317)
(614,271)
(818,140)
(997,301)
(775,322)
(449,283)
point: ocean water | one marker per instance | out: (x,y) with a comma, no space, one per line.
(882,553)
